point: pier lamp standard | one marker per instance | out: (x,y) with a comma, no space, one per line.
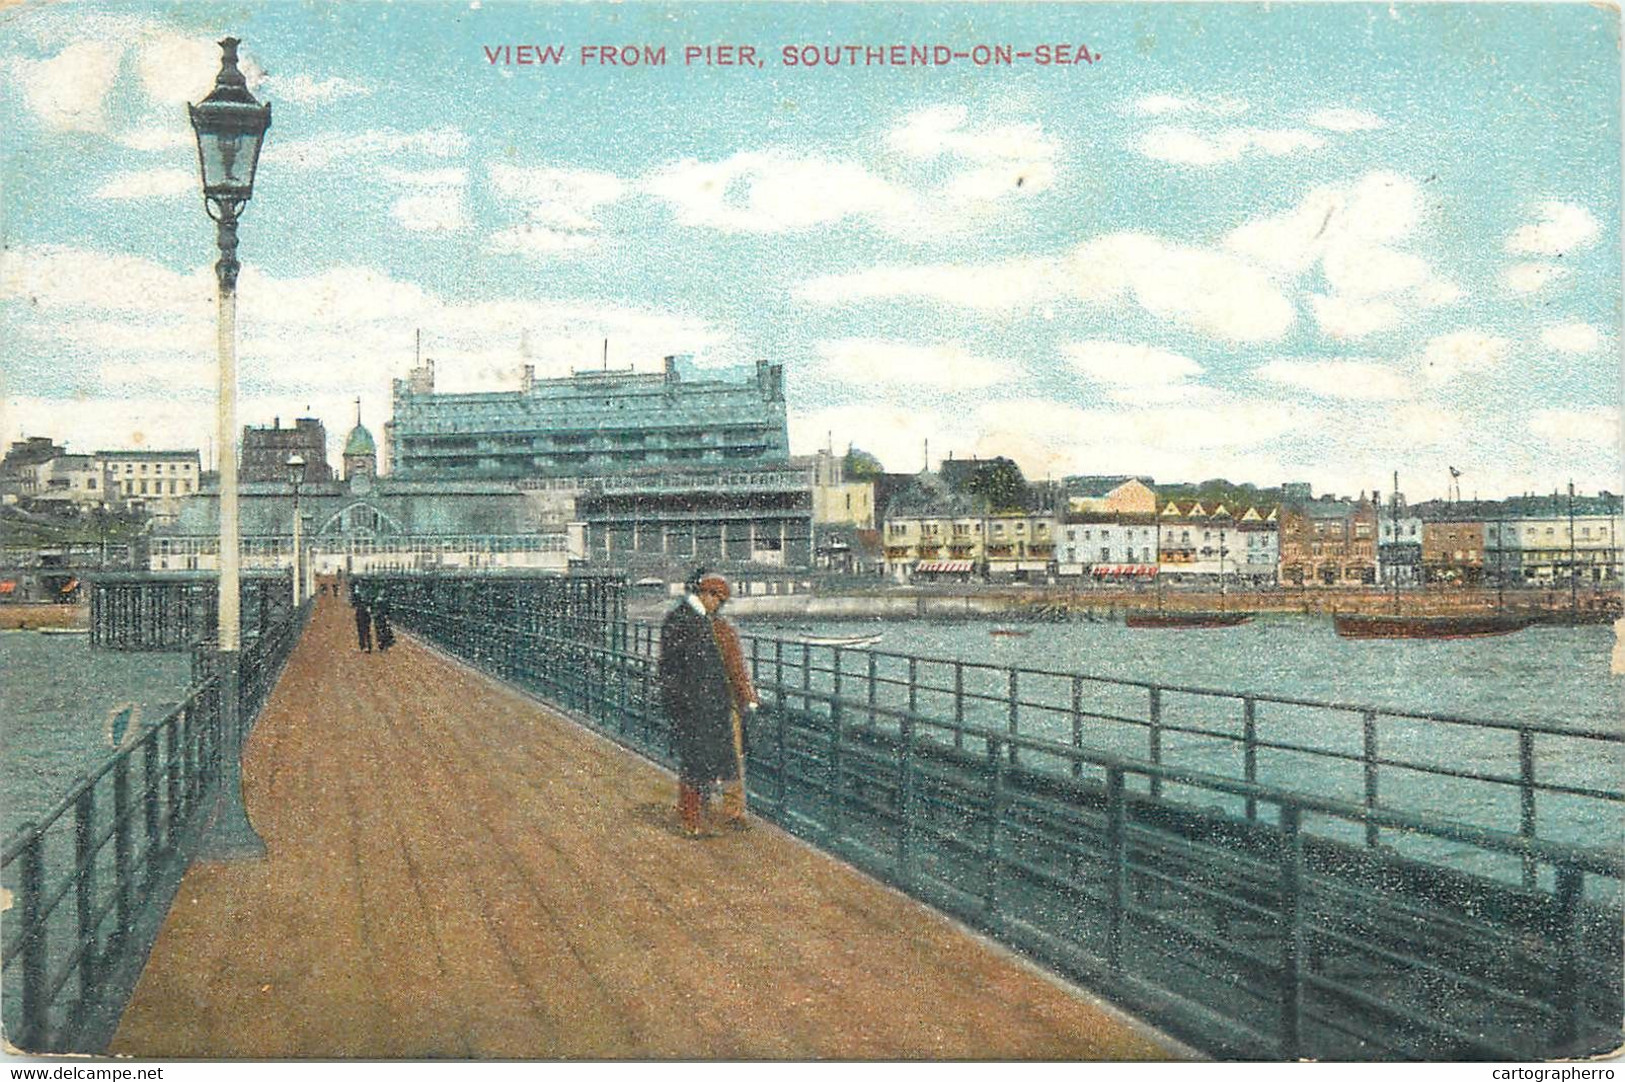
(230,126)
(296,474)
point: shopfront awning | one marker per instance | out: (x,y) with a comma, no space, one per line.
(945,567)
(70,586)
(7,587)
(1141,571)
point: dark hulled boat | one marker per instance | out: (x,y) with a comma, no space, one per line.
(1352,625)
(1159,618)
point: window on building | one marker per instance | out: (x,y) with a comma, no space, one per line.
(143,488)
(1105,555)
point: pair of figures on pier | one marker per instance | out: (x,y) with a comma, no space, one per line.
(706,689)
(371,619)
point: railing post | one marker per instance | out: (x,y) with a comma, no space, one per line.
(1526,787)
(149,780)
(1368,725)
(1116,865)
(1015,709)
(905,786)
(1249,746)
(648,717)
(1077,724)
(832,812)
(122,885)
(1570,890)
(1292,932)
(959,704)
(84,863)
(31,887)
(874,683)
(1154,738)
(994,872)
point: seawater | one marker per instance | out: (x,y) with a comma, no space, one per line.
(1552,676)
(56,696)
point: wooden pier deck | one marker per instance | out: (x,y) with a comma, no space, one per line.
(454,871)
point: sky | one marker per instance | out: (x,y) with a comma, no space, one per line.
(1263,242)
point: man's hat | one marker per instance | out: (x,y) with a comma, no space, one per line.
(716,584)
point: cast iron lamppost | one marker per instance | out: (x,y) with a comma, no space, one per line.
(230,126)
(296,474)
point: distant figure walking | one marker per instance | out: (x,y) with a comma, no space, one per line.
(363,620)
(381,631)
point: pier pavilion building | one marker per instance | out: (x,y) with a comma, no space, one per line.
(588,424)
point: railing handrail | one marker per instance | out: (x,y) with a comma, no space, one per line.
(1597,860)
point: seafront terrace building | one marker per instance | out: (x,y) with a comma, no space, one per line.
(1201,541)
(1328,542)
(1107,546)
(1530,539)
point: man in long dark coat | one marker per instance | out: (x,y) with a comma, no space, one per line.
(695,691)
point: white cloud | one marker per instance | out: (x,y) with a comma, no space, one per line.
(1356,234)
(941,131)
(1532,277)
(68,92)
(52,279)
(895,434)
(1185,146)
(942,367)
(1208,291)
(323,150)
(1212,292)
(158,135)
(773,192)
(1342,379)
(997,288)
(1345,120)
(1343,318)
(346,326)
(150,184)
(1133,372)
(1450,356)
(1597,426)
(1165,104)
(1562,227)
(945,176)
(175,69)
(560,206)
(1424,424)
(440,210)
(306,90)
(1572,338)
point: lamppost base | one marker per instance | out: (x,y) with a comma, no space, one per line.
(229,835)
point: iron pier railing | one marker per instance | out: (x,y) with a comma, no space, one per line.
(1255,919)
(92,877)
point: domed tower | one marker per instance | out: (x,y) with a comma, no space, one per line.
(360,453)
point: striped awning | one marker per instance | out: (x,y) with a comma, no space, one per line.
(959,567)
(1143,571)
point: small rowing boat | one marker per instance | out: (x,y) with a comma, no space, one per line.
(839,640)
